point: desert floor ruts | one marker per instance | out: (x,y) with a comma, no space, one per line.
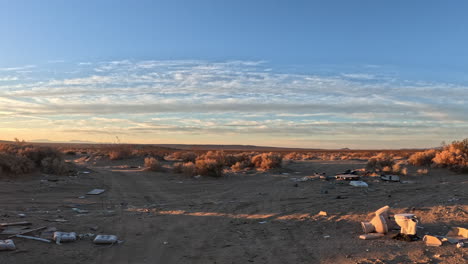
(257,217)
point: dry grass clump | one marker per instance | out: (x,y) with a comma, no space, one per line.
(120,152)
(453,156)
(380,162)
(12,164)
(21,158)
(153,164)
(241,165)
(266,161)
(183,156)
(186,168)
(423,158)
(209,167)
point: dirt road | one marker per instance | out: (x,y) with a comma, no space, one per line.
(242,218)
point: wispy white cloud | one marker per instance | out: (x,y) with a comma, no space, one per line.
(233,97)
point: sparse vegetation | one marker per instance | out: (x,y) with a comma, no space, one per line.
(380,162)
(153,164)
(20,158)
(266,161)
(422,158)
(453,156)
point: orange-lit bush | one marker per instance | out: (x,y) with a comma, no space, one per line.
(423,158)
(453,156)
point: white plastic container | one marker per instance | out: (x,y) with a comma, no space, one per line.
(7,245)
(105,239)
(64,237)
(358,184)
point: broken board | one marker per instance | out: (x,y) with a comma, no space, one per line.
(96,192)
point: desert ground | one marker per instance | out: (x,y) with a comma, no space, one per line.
(244,217)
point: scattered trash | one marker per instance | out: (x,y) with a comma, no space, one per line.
(304,179)
(59,220)
(432,241)
(358,184)
(378,223)
(197,176)
(48,233)
(460,245)
(371,236)
(347,177)
(263,222)
(392,178)
(22,215)
(165,242)
(23,232)
(323,213)
(96,191)
(64,237)
(80,211)
(326,236)
(15,224)
(407,222)
(407,182)
(85,172)
(87,235)
(105,239)
(7,244)
(457,233)
(34,238)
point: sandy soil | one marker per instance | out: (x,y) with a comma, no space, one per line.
(242,218)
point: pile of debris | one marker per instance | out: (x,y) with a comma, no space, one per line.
(383,221)
(47,234)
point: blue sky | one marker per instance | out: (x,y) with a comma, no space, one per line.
(360,74)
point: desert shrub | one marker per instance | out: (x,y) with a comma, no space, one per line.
(189,169)
(209,167)
(21,158)
(423,158)
(13,164)
(188,156)
(119,153)
(54,166)
(266,161)
(380,161)
(177,167)
(453,156)
(70,152)
(153,164)
(293,156)
(241,165)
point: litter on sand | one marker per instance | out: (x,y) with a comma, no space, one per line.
(358,184)
(96,191)
(347,177)
(15,223)
(105,239)
(34,238)
(432,241)
(371,236)
(7,244)
(457,234)
(391,178)
(80,211)
(26,231)
(64,237)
